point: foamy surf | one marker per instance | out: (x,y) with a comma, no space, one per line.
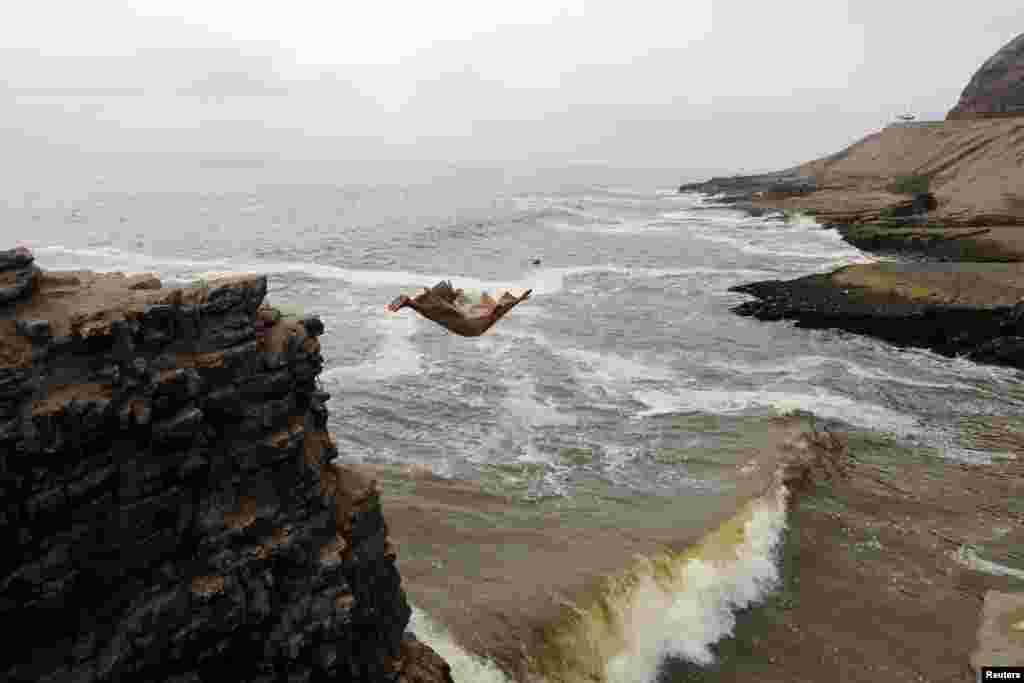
(808,367)
(672,605)
(541,281)
(821,403)
(466,667)
(968,557)
(395,356)
(701,597)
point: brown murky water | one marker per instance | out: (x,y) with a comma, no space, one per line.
(585,585)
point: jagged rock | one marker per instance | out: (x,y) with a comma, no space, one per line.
(314,326)
(11,259)
(17,284)
(815,301)
(227,330)
(183,425)
(1002,350)
(38,330)
(744,188)
(174,530)
(997,88)
(234,296)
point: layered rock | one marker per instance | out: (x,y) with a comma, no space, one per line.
(169,508)
(951,312)
(997,88)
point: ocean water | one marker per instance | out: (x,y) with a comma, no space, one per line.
(620,392)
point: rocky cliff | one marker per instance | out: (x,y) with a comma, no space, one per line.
(169,507)
(997,88)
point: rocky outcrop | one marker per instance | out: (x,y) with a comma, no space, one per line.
(909,316)
(997,88)
(168,506)
(736,189)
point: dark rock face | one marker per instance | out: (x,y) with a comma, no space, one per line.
(997,88)
(168,510)
(737,189)
(990,335)
(17,273)
(922,203)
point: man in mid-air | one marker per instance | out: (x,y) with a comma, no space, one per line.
(452,309)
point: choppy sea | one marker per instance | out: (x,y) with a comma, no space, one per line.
(615,391)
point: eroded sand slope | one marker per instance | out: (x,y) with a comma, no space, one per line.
(976,170)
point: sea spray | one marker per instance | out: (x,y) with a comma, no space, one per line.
(466,667)
(675,604)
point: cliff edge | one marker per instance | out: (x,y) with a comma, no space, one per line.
(169,508)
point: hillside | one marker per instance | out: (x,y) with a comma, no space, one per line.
(974,168)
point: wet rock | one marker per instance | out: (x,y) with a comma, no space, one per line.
(1002,350)
(816,302)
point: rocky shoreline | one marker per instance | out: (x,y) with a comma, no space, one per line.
(910,567)
(881,576)
(982,334)
(960,291)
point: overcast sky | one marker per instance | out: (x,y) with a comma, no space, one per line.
(700,84)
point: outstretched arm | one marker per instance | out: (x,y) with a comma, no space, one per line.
(435,306)
(474,327)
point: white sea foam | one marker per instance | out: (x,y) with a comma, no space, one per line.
(968,557)
(805,367)
(621,227)
(466,668)
(685,616)
(680,616)
(764,243)
(610,370)
(519,415)
(864,373)
(396,355)
(522,409)
(541,280)
(822,403)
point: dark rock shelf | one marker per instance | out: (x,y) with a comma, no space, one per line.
(991,335)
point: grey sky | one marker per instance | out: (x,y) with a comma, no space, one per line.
(728,84)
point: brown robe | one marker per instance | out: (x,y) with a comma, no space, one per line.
(440,304)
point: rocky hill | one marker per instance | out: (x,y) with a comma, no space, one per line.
(997,89)
(970,167)
(169,510)
(974,169)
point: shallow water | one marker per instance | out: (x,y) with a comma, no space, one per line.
(624,374)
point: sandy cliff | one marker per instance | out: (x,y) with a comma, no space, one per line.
(975,169)
(168,507)
(972,164)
